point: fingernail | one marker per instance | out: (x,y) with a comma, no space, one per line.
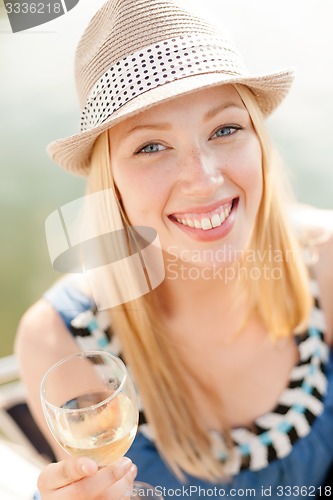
(133,470)
(84,469)
(124,464)
(88,468)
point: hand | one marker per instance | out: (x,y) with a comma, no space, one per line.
(80,479)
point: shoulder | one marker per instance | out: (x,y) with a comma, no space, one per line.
(40,315)
(315,227)
(49,318)
(40,326)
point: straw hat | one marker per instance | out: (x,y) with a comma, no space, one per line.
(137,53)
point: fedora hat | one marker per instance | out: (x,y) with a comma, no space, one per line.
(135,54)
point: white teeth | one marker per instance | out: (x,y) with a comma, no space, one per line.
(215,220)
(206,224)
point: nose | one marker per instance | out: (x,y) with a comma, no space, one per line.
(200,174)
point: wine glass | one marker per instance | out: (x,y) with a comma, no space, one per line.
(90,405)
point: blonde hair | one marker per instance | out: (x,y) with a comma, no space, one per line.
(277,243)
(283,305)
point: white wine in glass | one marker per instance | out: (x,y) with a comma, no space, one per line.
(90,405)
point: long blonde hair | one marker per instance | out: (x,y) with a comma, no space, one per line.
(282,304)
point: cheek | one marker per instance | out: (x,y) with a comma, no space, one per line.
(257,172)
(249,174)
(143,193)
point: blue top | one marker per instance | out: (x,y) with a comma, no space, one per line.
(290,450)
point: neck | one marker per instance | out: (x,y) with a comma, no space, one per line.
(192,296)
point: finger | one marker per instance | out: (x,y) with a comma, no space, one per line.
(123,488)
(95,486)
(105,480)
(67,471)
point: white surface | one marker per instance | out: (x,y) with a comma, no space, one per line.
(18,475)
(8,369)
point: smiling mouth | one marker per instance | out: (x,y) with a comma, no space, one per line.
(205,220)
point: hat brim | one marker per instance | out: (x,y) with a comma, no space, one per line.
(73,153)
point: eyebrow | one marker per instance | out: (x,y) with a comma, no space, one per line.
(150,126)
(213,112)
(167,126)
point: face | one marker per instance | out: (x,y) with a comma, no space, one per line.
(192,169)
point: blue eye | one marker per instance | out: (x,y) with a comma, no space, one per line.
(225,131)
(153,147)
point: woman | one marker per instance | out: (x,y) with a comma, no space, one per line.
(228,353)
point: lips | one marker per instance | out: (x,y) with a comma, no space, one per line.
(205,218)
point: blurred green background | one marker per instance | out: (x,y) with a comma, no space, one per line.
(38,104)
